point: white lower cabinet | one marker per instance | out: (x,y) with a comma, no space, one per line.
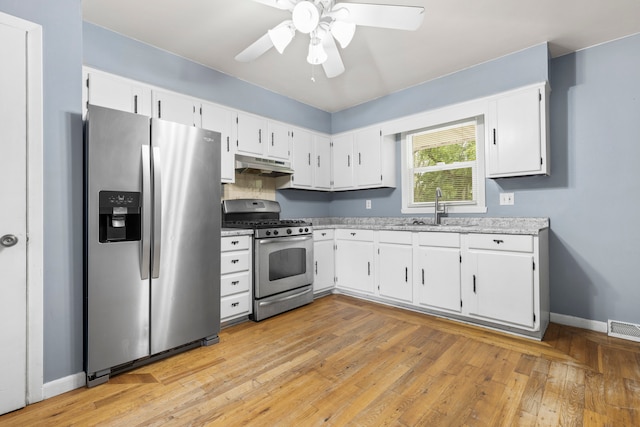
(355,269)
(395,266)
(437,271)
(235,281)
(502,283)
(323,264)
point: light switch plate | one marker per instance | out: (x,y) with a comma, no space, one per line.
(507,199)
(368,204)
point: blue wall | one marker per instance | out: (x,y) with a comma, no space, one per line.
(62,70)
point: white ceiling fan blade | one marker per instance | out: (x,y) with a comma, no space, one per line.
(333,66)
(381,15)
(255,49)
(278,4)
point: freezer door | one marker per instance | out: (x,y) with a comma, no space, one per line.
(116,295)
(185,284)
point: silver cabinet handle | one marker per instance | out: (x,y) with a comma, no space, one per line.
(157,213)
(145,244)
(8,240)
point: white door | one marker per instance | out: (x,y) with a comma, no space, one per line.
(13,228)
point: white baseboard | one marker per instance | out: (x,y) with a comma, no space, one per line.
(592,325)
(63,385)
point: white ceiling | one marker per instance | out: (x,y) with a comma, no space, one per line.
(455,34)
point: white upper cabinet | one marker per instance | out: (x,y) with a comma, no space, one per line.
(278,135)
(252,134)
(223,120)
(363,159)
(301,160)
(176,108)
(260,137)
(342,162)
(518,140)
(322,162)
(367,157)
(118,93)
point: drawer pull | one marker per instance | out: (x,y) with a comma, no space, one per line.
(368,268)
(498,241)
(235,261)
(353,234)
(235,242)
(423,277)
(235,304)
(235,282)
(324,234)
(474,283)
(406,274)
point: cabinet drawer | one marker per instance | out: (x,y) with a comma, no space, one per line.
(234,305)
(232,262)
(361,235)
(234,283)
(501,242)
(323,234)
(399,237)
(234,243)
(445,240)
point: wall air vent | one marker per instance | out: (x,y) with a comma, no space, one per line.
(624,330)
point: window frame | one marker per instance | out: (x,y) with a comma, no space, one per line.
(442,117)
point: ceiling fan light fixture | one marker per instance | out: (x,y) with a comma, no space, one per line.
(343,32)
(317,54)
(306,16)
(281,36)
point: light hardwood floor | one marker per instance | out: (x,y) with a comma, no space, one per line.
(343,361)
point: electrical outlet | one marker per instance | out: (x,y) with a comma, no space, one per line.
(368,204)
(507,199)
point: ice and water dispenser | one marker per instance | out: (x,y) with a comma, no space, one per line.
(120,216)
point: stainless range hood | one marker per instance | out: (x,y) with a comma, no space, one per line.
(262,167)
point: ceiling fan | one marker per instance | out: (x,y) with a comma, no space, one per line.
(327,22)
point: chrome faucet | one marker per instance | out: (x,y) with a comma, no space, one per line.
(438,212)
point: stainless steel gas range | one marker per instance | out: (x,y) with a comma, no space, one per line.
(282,254)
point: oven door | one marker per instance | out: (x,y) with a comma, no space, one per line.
(282,264)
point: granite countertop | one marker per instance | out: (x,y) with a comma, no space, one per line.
(235,232)
(526,226)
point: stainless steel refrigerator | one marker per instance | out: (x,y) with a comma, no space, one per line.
(152,240)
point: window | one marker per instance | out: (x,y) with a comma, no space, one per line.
(449,156)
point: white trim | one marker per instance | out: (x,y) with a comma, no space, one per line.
(35,217)
(578,322)
(64,384)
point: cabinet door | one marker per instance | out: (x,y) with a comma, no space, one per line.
(516,136)
(323,265)
(354,265)
(322,164)
(502,286)
(251,134)
(220,119)
(301,161)
(278,140)
(438,278)
(176,108)
(395,272)
(367,157)
(118,93)
(343,162)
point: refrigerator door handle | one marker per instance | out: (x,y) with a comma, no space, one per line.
(157,213)
(145,245)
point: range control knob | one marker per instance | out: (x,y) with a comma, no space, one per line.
(300,230)
(268,233)
(275,232)
(306,229)
(288,231)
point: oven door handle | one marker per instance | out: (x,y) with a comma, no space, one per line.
(285,239)
(288,297)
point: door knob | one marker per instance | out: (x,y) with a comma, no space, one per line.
(8,240)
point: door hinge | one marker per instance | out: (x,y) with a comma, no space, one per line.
(380,177)
(534,318)
(378,251)
(539,96)
(380,132)
(200,110)
(460,259)
(87,81)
